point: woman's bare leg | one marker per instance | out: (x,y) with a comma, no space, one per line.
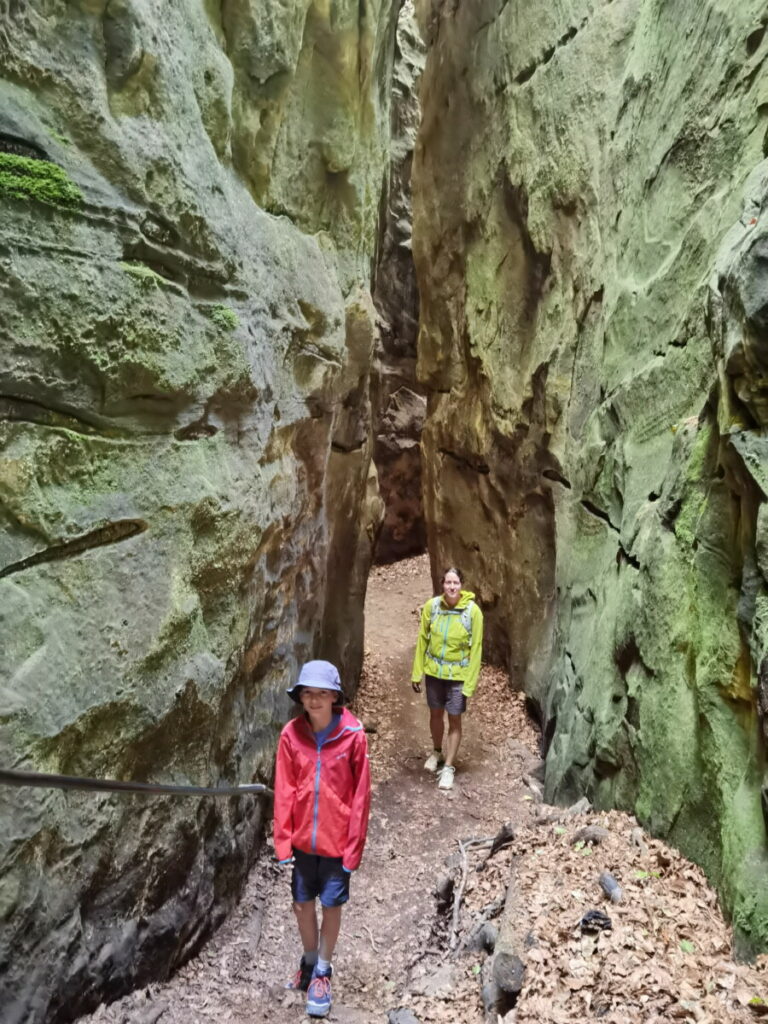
(436,727)
(454,739)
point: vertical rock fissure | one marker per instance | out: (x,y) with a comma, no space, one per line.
(399,403)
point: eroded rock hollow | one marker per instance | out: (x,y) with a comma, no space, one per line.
(590,237)
(190,195)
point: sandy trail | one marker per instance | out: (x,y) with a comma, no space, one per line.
(392,938)
(667,956)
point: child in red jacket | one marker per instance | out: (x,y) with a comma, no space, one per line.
(322,798)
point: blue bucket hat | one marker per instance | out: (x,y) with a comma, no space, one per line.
(320,675)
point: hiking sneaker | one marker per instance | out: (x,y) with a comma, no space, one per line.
(319,996)
(445,779)
(434,761)
(301,979)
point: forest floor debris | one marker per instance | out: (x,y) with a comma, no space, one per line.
(408,956)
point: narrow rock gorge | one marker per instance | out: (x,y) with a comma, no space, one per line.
(219,329)
(590,237)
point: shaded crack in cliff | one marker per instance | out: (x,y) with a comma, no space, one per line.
(530,69)
(626,653)
(600,513)
(120,530)
(14,409)
(12,244)
(557,477)
(61,417)
(180,270)
(27,410)
(679,142)
(494,19)
(595,299)
(347,449)
(466,462)
(17,146)
(622,555)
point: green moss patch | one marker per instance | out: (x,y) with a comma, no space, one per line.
(24,178)
(146,276)
(225,318)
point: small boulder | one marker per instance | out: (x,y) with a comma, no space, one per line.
(402,1016)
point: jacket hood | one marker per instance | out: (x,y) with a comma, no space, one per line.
(465,596)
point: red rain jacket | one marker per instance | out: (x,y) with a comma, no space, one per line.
(322,796)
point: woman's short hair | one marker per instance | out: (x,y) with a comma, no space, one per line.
(451,569)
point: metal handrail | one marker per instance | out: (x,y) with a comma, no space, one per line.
(45,781)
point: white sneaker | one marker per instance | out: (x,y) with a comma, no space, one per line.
(433,762)
(445,781)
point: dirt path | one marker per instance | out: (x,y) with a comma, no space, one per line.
(393,942)
(666,956)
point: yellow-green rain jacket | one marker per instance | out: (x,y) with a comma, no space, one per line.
(450,644)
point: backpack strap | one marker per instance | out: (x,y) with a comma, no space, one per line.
(434,611)
(466,620)
(465,614)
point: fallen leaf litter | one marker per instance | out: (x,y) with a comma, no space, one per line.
(666,957)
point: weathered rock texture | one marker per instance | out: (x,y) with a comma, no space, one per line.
(399,404)
(590,234)
(190,193)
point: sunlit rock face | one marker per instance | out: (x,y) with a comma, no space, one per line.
(189,198)
(399,404)
(590,239)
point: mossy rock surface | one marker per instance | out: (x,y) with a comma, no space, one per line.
(39,180)
(225,318)
(176,364)
(593,342)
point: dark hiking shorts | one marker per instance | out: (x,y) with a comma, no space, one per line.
(315,876)
(446,693)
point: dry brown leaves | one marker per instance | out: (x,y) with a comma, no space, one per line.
(666,958)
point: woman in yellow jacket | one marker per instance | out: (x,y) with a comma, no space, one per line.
(448,654)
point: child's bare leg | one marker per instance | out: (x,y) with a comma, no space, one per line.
(306,918)
(329,932)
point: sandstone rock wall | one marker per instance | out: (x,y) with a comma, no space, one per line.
(399,404)
(590,232)
(190,193)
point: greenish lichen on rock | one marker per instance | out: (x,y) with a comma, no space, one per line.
(225,318)
(146,276)
(38,180)
(171,544)
(591,260)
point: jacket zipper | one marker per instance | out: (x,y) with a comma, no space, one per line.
(315,813)
(445,645)
(318,766)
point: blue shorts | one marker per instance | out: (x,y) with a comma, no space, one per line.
(315,876)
